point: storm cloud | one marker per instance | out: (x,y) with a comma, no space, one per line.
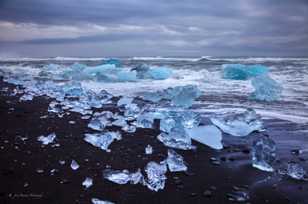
(38,28)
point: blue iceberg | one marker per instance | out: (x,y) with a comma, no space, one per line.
(266,89)
(113,61)
(159,73)
(243,72)
(127,76)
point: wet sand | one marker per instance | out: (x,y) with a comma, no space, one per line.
(22,158)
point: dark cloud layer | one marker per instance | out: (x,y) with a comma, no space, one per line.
(148,27)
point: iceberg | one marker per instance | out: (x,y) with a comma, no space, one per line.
(113,61)
(102,140)
(47,139)
(264,154)
(155,175)
(243,72)
(239,124)
(159,73)
(142,71)
(127,76)
(175,162)
(123,176)
(296,171)
(266,89)
(208,135)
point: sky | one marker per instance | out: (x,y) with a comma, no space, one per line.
(102,28)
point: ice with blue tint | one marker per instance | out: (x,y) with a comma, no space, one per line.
(99,201)
(132,111)
(100,120)
(47,139)
(123,176)
(124,101)
(127,76)
(239,124)
(113,61)
(176,138)
(181,96)
(148,149)
(264,154)
(102,140)
(266,89)
(159,73)
(146,119)
(175,162)
(208,135)
(120,121)
(296,171)
(88,182)
(142,71)
(155,175)
(243,72)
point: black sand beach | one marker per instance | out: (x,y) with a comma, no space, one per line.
(31,173)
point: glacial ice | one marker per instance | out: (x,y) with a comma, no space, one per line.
(47,139)
(148,149)
(98,201)
(155,175)
(264,154)
(88,182)
(123,176)
(142,71)
(239,124)
(127,76)
(74,165)
(159,73)
(100,120)
(102,140)
(209,135)
(181,96)
(175,162)
(124,101)
(243,72)
(296,171)
(113,61)
(266,89)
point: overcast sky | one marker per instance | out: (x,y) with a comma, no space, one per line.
(96,28)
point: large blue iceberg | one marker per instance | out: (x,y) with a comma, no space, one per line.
(158,73)
(243,72)
(266,88)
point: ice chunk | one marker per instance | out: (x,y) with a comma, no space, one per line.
(155,179)
(148,149)
(123,176)
(243,72)
(264,154)
(142,71)
(239,196)
(127,76)
(88,182)
(98,201)
(47,139)
(74,165)
(181,96)
(102,140)
(100,120)
(124,101)
(176,138)
(129,128)
(296,171)
(239,124)
(113,61)
(119,121)
(26,97)
(209,135)
(175,162)
(266,89)
(131,111)
(146,119)
(160,73)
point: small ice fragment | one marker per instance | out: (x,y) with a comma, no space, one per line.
(26,97)
(74,165)
(62,162)
(239,196)
(124,101)
(100,120)
(88,182)
(156,177)
(177,138)
(102,140)
(175,162)
(129,128)
(264,154)
(296,171)
(47,139)
(148,149)
(120,121)
(266,88)
(209,135)
(123,176)
(239,124)
(131,111)
(98,201)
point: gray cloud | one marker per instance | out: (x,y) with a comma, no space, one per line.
(148,27)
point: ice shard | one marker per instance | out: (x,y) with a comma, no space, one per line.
(102,140)
(208,135)
(175,162)
(155,175)
(123,176)
(88,182)
(98,201)
(239,124)
(47,139)
(266,89)
(264,154)
(296,171)
(148,149)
